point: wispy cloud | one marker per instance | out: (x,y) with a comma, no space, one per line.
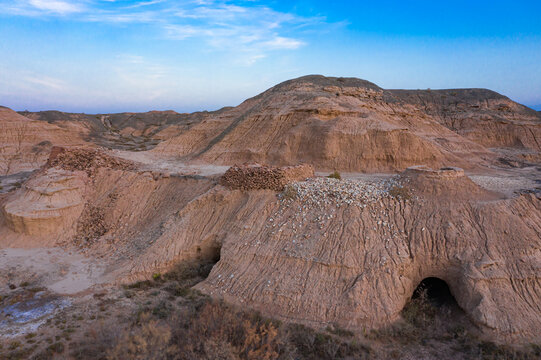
(45,81)
(56,6)
(250,30)
(42,7)
(145,3)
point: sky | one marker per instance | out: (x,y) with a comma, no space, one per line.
(98,56)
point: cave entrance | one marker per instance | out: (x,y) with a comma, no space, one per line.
(436,292)
(207,257)
(433,311)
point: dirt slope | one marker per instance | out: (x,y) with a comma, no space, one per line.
(346,124)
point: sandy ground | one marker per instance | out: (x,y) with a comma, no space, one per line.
(38,283)
(60,271)
(152,162)
(511,181)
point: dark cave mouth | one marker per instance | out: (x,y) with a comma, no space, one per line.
(207,257)
(435,292)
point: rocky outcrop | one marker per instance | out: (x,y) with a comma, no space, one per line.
(46,204)
(321,251)
(255,176)
(483,116)
(343,124)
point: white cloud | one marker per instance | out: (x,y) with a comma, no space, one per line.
(283,43)
(181,32)
(56,6)
(144,3)
(36,8)
(251,32)
(244,28)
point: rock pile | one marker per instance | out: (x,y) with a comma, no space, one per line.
(256,176)
(85,159)
(320,192)
(91,225)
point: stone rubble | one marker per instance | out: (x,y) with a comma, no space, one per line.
(321,192)
(85,159)
(256,176)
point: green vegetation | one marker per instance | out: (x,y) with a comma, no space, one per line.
(335,175)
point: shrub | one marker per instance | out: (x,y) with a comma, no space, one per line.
(400,192)
(57,347)
(150,341)
(335,175)
(419,312)
(289,193)
(14,345)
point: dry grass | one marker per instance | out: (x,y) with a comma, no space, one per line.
(444,333)
(177,322)
(173,321)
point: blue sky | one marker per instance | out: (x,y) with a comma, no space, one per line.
(188,55)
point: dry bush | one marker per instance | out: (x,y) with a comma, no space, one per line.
(98,339)
(289,193)
(335,175)
(248,337)
(179,323)
(151,340)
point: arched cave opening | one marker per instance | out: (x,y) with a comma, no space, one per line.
(435,292)
(432,302)
(190,272)
(207,257)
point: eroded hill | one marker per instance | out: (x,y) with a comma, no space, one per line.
(454,206)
